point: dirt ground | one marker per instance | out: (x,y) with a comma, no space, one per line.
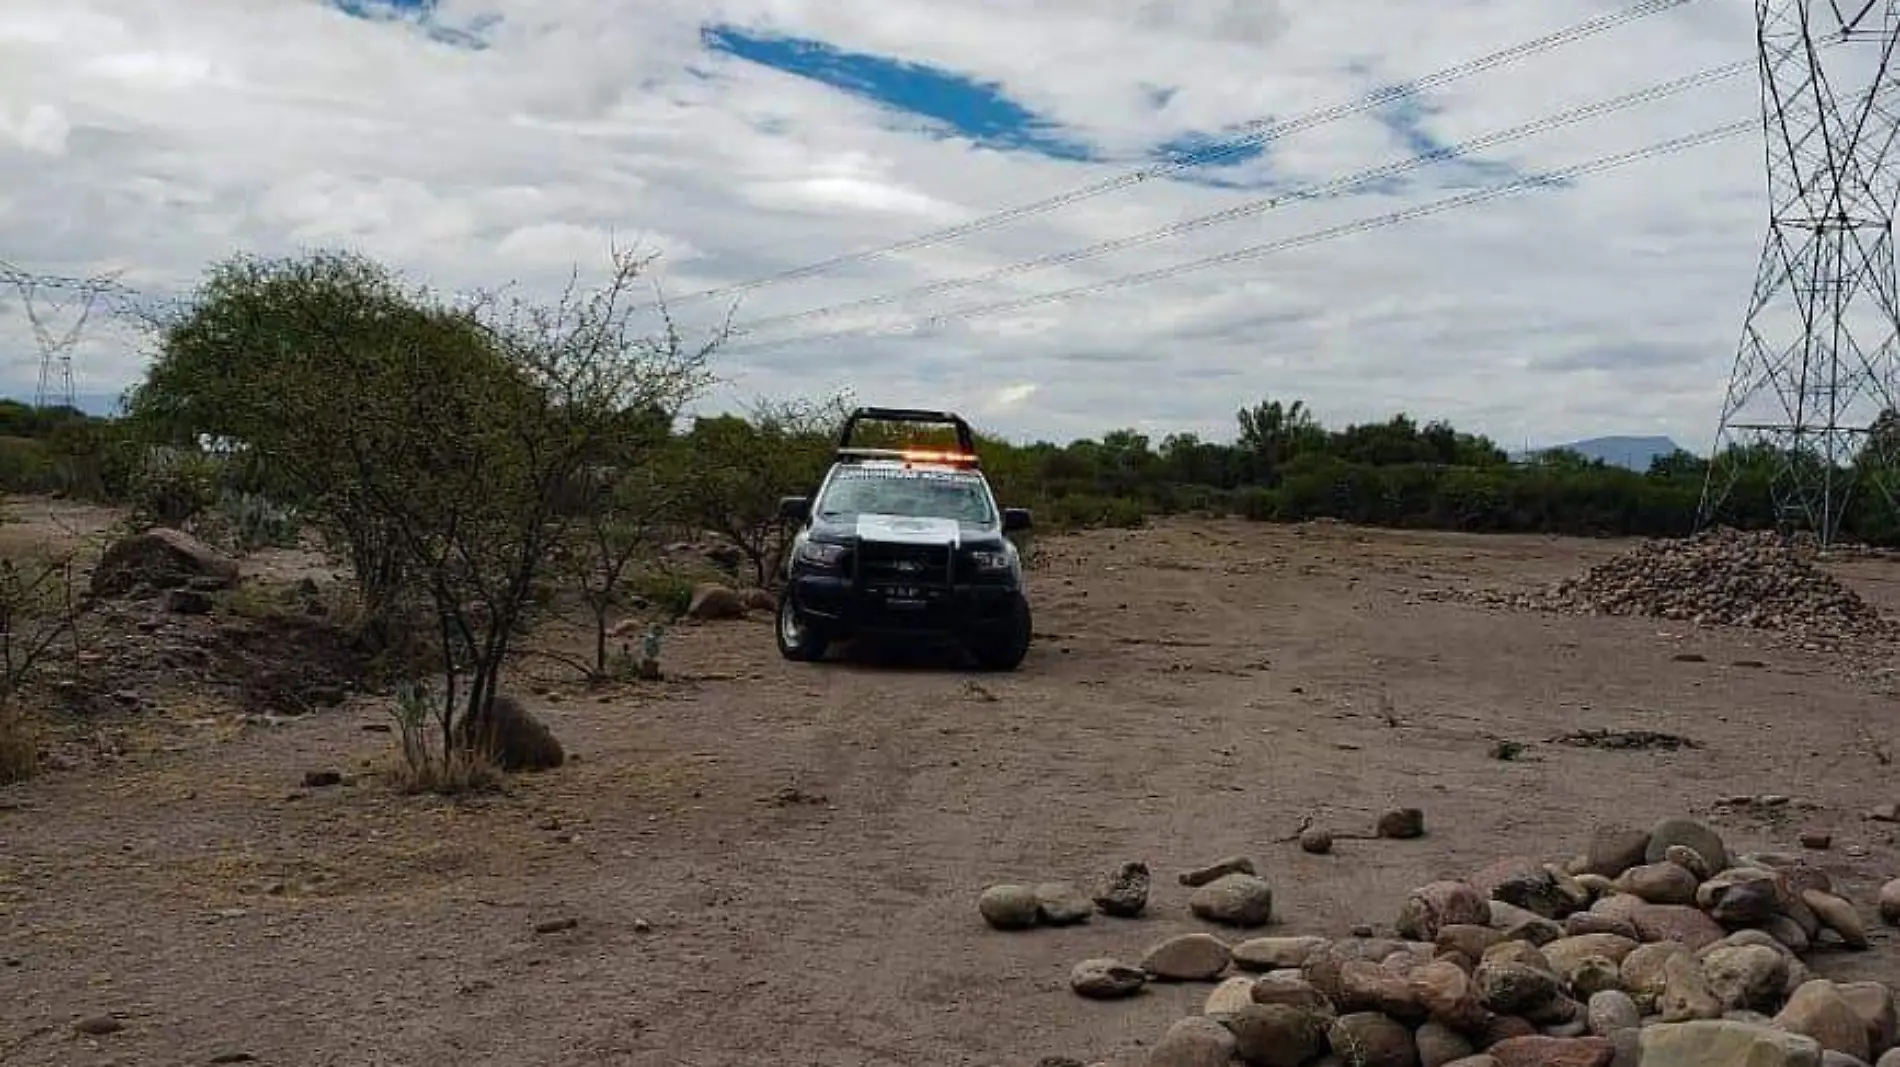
(766,862)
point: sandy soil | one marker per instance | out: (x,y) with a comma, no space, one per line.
(766,862)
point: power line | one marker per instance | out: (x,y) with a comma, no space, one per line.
(1255,133)
(1252,252)
(1262,205)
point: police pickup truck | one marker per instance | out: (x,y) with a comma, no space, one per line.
(906,541)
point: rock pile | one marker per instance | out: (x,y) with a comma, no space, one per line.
(1719,577)
(1654,948)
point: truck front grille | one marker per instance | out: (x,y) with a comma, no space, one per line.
(885,565)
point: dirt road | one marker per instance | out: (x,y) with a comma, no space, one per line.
(774,863)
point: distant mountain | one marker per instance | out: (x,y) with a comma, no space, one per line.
(1632,452)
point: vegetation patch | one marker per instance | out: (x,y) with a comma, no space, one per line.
(1625,740)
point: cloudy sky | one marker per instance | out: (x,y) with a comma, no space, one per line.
(481,142)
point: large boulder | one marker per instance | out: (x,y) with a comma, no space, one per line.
(1234,900)
(1196,1041)
(1106,979)
(1369,1039)
(1725,1043)
(1278,1035)
(1696,835)
(513,738)
(1750,977)
(161,558)
(1276,953)
(1818,1010)
(1524,883)
(1540,1050)
(1187,958)
(1010,907)
(1440,904)
(713,601)
(1615,849)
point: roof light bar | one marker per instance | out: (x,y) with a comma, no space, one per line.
(912,455)
(960,459)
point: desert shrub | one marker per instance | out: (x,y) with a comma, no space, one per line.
(427,762)
(732,472)
(626,508)
(445,443)
(39,608)
(1088,510)
(398,641)
(173,488)
(1260,505)
(27,466)
(668,590)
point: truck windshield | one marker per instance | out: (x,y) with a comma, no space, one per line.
(913,495)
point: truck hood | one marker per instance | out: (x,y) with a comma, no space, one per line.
(904,529)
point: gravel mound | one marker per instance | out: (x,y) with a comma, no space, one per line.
(1721,577)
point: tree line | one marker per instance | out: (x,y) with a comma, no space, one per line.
(1282,465)
(467,455)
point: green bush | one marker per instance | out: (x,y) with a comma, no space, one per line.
(1087,510)
(670,592)
(173,488)
(27,466)
(1260,505)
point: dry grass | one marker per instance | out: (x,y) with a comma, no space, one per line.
(453,772)
(19,745)
(427,762)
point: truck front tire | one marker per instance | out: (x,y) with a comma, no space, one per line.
(799,640)
(1003,648)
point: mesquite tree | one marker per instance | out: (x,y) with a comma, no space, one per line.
(444,440)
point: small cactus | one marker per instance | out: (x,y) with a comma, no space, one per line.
(257,521)
(645,665)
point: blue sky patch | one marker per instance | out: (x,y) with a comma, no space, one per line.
(954,104)
(948,101)
(423,14)
(1405,117)
(1215,153)
(1215,149)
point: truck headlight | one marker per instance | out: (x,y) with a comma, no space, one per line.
(990,562)
(821,555)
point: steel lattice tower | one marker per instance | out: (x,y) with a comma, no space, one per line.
(1820,344)
(56,346)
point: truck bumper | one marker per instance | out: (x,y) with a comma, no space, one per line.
(833,602)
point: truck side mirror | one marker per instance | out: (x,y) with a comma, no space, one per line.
(1016,520)
(795,508)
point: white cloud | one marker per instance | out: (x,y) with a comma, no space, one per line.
(1011,396)
(39,129)
(161,137)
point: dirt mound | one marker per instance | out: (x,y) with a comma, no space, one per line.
(146,653)
(1721,577)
